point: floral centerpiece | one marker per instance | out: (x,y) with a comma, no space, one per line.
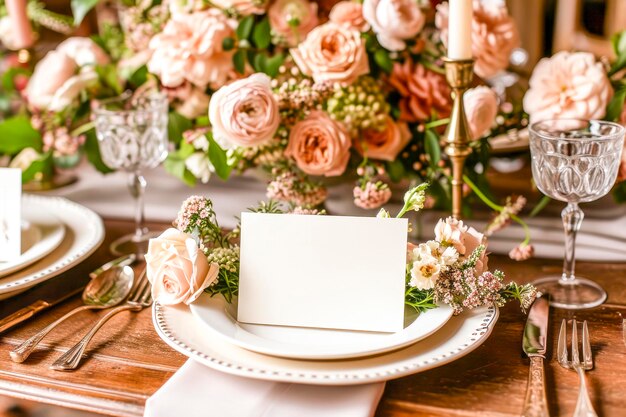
(197,256)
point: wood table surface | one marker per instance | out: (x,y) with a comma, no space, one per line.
(127,362)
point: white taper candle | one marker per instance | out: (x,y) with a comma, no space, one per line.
(460,29)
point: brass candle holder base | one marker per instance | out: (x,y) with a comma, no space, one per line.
(459,74)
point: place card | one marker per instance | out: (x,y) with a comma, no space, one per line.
(331,272)
(10,213)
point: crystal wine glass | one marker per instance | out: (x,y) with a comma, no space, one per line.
(132,136)
(575,161)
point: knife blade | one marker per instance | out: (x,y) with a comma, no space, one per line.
(51,292)
(534,345)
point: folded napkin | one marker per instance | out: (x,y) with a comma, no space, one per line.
(198,391)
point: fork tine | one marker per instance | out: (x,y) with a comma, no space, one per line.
(140,288)
(587,356)
(575,357)
(146,295)
(562,345)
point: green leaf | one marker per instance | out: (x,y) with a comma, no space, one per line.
(432,147)
(176,126)
(383,60)
(239,61)
(16,134)
(43,164)
(259,62)
(175,165)
(540,206)
(273,64)
(8,78)
(92,150)
(218,158)
(261,34)
(245,27)
(614,109)
(139,77)
(619,192)
(109,76)
(228,44)
(619,46)
(395,170)
(80,8)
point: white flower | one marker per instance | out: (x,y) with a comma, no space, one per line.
(7,35)
(383,214)
(414,199)
(200,166)
(424,272)
(449,256)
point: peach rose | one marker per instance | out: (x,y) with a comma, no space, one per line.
(194,105)
(245,112)
(394,21)
(422,92)
(50,74)
(83,51)
(177,269)
(332,52)
(349,13)
(319,145)
(494,35)
(385,144)
(243,7)
(568,86)
(292,20)
(190,48)
(481,108)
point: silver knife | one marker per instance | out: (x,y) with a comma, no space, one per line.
(534,345)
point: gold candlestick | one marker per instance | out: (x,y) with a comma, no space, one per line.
(459,74)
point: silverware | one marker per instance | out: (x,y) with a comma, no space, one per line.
(534,345)
(583,406)
(109,288)
(139,299)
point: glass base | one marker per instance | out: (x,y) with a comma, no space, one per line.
(132,244)
(575,295)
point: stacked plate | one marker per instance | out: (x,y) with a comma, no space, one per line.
(57,234)
(208,332)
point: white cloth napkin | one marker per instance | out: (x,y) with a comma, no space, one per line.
(198,391)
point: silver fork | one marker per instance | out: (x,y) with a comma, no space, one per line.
(139,299)
(583,405)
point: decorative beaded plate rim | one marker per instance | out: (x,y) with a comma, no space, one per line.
(349,371)
(87,228)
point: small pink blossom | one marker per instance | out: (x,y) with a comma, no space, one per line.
(371,195)
(522,252)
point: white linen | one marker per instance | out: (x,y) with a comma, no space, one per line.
(198,391)
(602,237)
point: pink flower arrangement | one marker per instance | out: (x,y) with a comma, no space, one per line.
(245,112)
(319,145)
(333,53)
(190,49)
(568,85)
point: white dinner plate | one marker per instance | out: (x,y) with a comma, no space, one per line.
(458,337)
(42,232)
(84,232)
(220,319)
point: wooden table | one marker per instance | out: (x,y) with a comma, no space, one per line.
(128,362)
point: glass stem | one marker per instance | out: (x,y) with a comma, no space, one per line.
(137,187)
(572,217)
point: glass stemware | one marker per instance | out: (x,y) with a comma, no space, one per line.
(132,136)
(575,161)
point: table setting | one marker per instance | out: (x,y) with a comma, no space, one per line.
(389,264)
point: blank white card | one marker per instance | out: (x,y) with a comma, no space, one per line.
(10,213)
(332,272)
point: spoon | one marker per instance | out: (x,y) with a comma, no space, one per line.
(109,288)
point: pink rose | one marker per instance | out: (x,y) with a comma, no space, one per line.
(194,105)
(190,48)
(177,269)
(292,20)
(245,112)
(386,144)
(320,145)
(481,108)
(333,53)
(349,13)
(394,21)
(243,7)
(494,35)
(422,92)
(83,51)
(568,86)
(50,74)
